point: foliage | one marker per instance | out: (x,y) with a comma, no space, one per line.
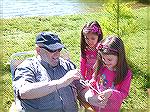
(119,19)
(144,1)
(19,35)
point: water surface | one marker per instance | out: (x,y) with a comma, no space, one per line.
(26,8)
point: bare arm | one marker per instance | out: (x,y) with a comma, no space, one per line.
(40,89)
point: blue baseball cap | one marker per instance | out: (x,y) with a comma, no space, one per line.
(49,40)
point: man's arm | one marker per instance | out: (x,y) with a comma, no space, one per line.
(32,90)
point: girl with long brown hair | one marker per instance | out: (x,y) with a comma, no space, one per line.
(112,76)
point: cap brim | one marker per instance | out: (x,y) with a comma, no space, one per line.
(54,46)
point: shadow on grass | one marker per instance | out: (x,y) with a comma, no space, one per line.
(137,100)
(137,73)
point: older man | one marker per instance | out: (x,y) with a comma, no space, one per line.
(47,83)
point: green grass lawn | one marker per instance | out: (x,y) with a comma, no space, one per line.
(18,35)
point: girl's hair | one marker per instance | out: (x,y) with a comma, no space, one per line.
(93,27)
(112,45)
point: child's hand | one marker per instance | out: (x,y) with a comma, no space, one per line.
(97,100)
(107,93)
(92,82)
(103,98)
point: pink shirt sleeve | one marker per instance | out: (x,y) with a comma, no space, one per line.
(83,66)
(119,94)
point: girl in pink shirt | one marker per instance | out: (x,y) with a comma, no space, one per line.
(112,77)
(91,34)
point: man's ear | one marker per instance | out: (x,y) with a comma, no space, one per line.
(38,49)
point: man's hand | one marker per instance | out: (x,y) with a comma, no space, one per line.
(70,77)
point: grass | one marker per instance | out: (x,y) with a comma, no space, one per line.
(18,34)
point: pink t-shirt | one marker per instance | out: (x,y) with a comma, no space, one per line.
(119,91)
(86,64)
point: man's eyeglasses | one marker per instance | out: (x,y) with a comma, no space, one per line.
(52,51)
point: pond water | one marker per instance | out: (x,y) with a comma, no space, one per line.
(27,8)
